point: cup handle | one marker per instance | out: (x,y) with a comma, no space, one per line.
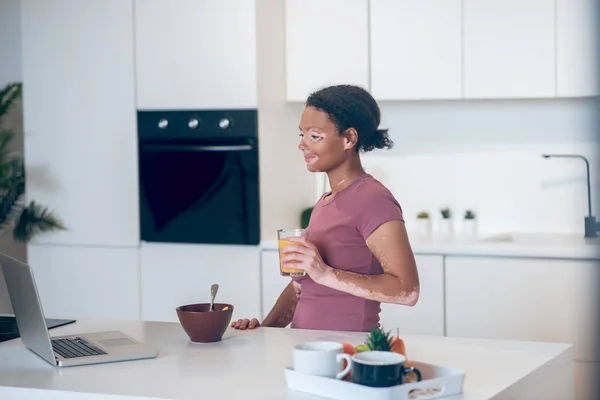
(408,370)
(346,370)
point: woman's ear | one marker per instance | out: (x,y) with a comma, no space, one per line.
(350,138)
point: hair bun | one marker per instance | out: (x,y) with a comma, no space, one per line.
(379,139)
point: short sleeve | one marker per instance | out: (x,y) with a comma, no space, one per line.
(376,209)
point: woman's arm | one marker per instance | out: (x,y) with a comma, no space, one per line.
(399,282)
(282,313)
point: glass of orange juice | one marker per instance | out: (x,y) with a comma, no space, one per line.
(282,234)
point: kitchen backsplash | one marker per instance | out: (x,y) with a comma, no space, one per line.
(509,190)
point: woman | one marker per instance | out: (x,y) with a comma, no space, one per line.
(357,253)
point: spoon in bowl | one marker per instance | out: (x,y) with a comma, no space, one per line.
(213,293)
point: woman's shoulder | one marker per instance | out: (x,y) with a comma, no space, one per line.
(371,188)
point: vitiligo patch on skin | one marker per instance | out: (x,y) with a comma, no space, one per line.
(347,283)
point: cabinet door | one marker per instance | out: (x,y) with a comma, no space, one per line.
(86,282)
(195,54)
(272,283)
(326,43)
(509,48)
(523,299)
(416,49)
(427,316)
(79,118)
(576,48)
(174,275)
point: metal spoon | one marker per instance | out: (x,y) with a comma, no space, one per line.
(213,293)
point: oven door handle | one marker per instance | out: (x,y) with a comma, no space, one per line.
(195,148)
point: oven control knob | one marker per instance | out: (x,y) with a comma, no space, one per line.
(224,123)
(163,123)
(193,123)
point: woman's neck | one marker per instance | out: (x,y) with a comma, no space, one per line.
(344,175)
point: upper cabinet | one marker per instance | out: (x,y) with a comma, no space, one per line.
(443,49)
(509,48)
(576,48)
(326,44)
(79,118)
(416,49)
(195,54)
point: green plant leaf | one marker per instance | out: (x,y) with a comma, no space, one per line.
(35,219)
(8,96)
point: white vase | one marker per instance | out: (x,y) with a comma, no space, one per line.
(446,226)
(469,227)
(424,226)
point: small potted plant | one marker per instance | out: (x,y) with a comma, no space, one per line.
(446,221)
(469,223)
(423,223)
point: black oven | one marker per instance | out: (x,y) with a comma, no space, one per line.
(198,176)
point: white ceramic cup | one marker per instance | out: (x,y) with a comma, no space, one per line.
(322,359)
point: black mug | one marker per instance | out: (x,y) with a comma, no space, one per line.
(380,369)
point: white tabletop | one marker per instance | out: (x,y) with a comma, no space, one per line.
(250,364)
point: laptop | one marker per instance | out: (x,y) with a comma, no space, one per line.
(69,350)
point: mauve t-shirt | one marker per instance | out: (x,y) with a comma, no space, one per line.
(339,227)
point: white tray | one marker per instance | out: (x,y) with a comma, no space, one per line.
(438,382)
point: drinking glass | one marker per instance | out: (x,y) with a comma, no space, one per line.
(282,234)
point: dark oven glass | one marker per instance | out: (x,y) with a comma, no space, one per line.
(200,186)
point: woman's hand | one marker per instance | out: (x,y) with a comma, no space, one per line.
(305,256)
(242,324)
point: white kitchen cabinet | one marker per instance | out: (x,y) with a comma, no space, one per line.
(178,274)
(79,118)
(195,54)
(427,316)
(326,43)
(272,283)
(86,282)
(576,48)
(509,48)
(523,299)
(416,49)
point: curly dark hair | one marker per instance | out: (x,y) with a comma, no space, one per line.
(350,106)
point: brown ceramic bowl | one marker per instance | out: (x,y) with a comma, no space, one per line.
(203,326)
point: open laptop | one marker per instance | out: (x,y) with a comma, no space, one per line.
(62,351)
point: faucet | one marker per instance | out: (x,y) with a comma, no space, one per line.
(592,227)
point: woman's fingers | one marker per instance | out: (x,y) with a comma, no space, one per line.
(253,323)
(299,257)
(239,324)
(242,324)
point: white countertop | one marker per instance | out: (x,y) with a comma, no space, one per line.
(250,365)
(545,245)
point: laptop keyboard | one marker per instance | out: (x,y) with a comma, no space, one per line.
(75,347)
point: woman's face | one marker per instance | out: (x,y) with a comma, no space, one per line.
(323,147)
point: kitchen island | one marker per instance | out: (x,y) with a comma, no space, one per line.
(250,365)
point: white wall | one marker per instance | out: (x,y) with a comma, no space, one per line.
(10,71)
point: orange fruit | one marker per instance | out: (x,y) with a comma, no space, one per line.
(398,346)
(348,349)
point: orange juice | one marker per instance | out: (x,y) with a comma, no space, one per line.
(286,271)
